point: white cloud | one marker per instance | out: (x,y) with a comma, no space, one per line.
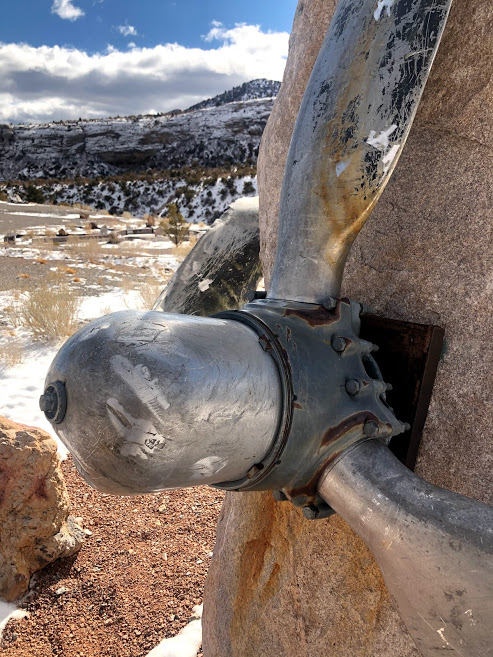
(66,10)
(127,30)
(46,83)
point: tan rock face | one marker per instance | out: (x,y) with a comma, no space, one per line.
(35,526)
(280,585)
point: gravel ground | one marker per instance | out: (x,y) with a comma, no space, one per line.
(11,222)
(133,583)
(24,274)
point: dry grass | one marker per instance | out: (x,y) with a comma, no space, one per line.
(12,312)
(149,293)
(184,249)
(50,310)
(11,354)
(90,249)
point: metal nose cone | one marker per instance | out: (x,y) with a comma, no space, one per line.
(156,401)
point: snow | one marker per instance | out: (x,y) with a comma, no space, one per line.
(184,644)
(9,612)
(22,387)
(23,384)
(45,215)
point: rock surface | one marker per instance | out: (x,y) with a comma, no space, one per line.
(280,585)
(35,526)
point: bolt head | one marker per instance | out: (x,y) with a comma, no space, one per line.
(279,496)
(371,429)
(353,386)
(311,512)
(53,402)
(339,344)
(329,303)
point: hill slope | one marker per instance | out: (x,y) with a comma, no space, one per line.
(216,134)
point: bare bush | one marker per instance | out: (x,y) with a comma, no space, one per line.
(50,310)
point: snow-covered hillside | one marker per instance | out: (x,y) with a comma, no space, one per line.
(252,90)
(200,196)
(223,135)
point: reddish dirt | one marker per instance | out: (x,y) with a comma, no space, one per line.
(133,583)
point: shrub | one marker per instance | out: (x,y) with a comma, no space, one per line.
(50,311)
(248,187)
(34,195)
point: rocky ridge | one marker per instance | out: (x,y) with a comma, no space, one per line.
(218,133)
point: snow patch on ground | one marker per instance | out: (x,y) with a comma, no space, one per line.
(184,644)
(9,612)
(23,384)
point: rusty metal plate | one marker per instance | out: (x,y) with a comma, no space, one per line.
(408,358)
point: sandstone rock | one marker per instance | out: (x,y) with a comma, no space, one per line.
(35,528)
(280,585)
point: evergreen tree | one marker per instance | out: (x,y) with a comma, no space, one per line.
(34,195)
(175,227)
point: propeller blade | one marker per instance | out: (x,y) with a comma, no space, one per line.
(355,117)
(222,267)
(434,548)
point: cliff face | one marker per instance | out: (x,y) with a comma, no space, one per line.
(211,137)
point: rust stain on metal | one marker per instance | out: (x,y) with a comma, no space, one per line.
(319,316)
(349,423)
(298,406)
(332,435)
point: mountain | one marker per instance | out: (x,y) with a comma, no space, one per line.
(218,133)
(252,90)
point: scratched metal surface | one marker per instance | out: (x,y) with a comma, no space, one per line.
(354,120)
(434,548)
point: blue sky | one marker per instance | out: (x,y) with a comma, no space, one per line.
(71,58)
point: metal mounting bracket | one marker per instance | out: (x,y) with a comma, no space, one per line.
(408,358)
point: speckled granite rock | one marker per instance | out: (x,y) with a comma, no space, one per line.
(35,526)
(279,585)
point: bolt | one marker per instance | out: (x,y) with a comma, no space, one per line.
(329,303)
(279,496)
(53,402)
(371,429)
(389,387)
(311,512)
(353,386)
(46,402)
(339,344)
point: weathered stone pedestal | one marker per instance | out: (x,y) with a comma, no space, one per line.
(282,586)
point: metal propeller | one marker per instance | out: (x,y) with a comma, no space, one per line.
(283,394)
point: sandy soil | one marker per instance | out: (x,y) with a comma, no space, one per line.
(133,583)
